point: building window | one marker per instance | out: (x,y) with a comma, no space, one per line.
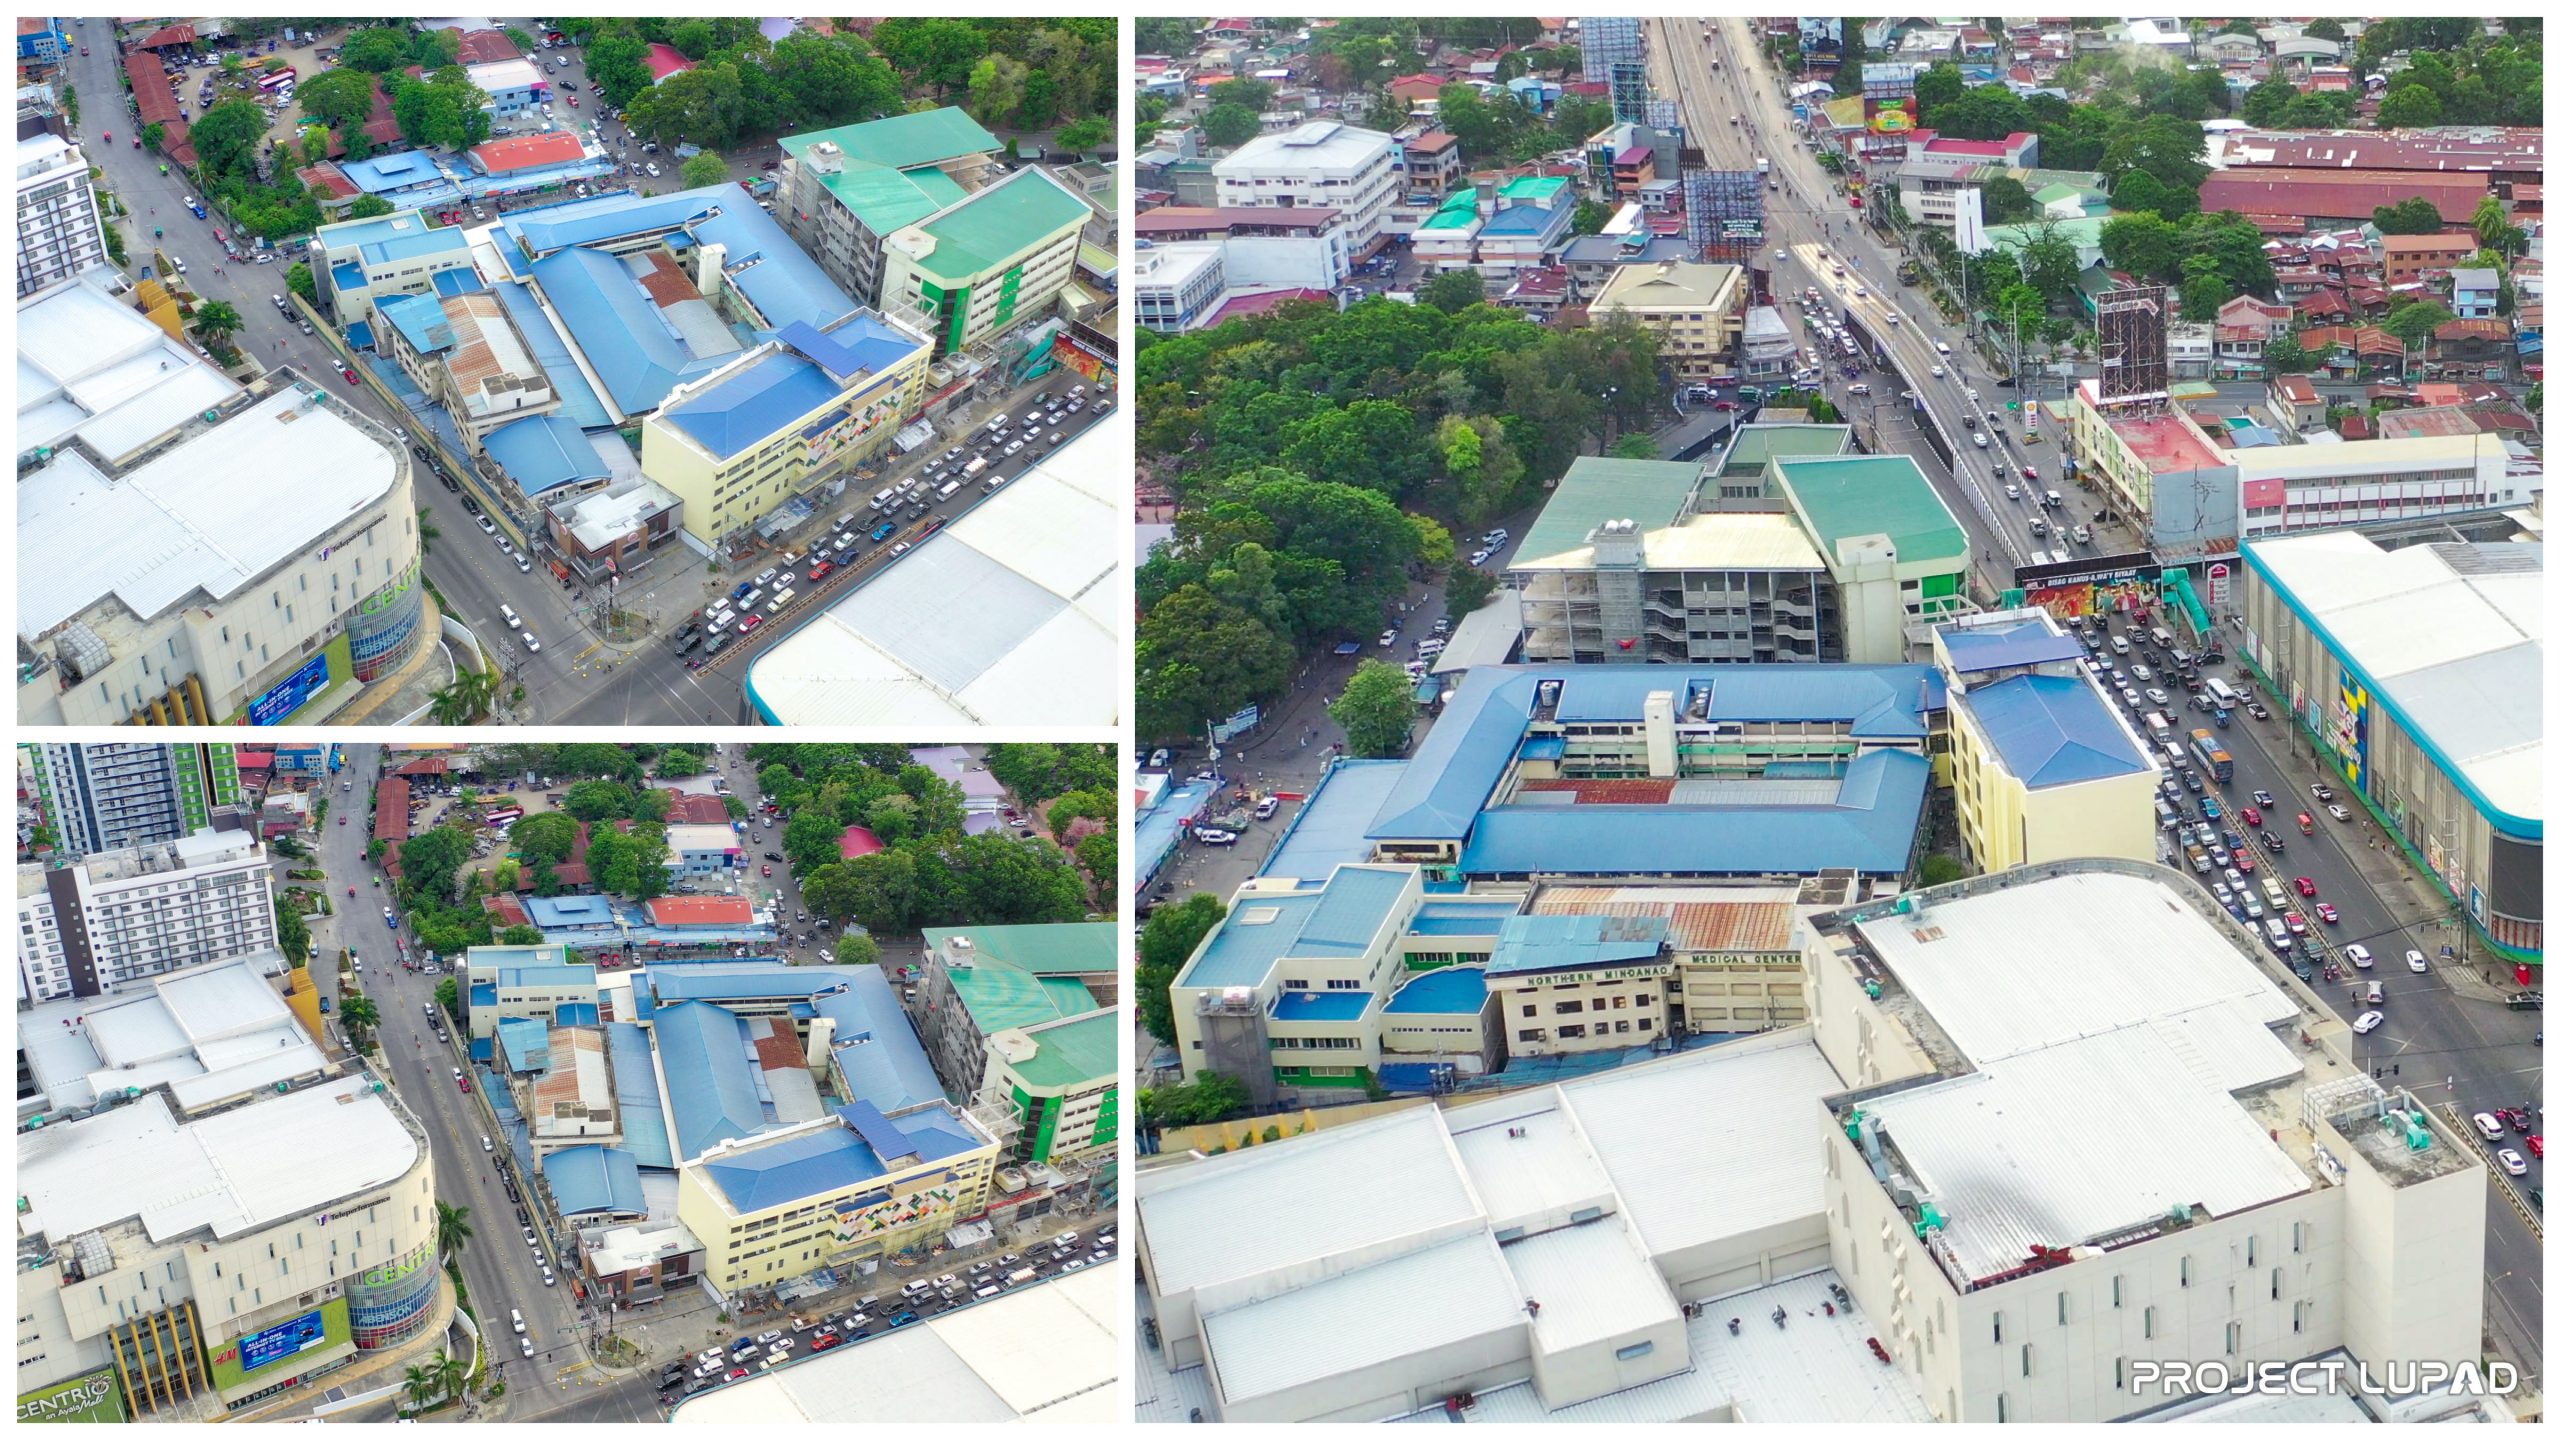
(1995,1327)
(2150,1317)
(1636,1351)
(1569,1032)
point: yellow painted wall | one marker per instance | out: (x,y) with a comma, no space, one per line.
(2007,825)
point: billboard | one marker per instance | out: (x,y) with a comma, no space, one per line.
(2350,729)
(291,693)
(92,1399)
(259,1356)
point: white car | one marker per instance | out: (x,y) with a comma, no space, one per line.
(2488,1127)
(1210,836)
(2368,1022)
(1862,292)
(532,643)
(1388,639)
(486,1147)
(1938,370)
(1782,254)
(2417,962)
(2359,957)
(2513,1161)
(1479,557)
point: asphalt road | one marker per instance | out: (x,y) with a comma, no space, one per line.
(498,1268)
(2440,1027)
(1804,217)
(655,686)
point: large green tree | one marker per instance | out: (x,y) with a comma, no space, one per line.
(1165,944)
(1375,710)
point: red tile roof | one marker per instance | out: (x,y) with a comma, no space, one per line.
(2294,192)
(481,47)
(391,810)
(857,842)
(329,177)
(167,35)
(666,60)
(2491,328)
(503,911)
(683,809)
(528,152)
(699,910)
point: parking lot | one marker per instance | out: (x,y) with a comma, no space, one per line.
(892,1307)
(894,519)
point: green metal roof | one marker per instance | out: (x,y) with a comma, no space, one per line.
(1455,213)
(903,142)
(1078,947)
(1649,492)
(1535,187)
(1754,446)
(999,996)
(1074,1052)
(998,225)
(1868,495)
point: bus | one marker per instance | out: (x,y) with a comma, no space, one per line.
(2223,696)
(337,758)
(503,816)
(277,81)
(2211,755)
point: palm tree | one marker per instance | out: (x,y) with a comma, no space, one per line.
(419,1383)
(358,1014)
(216,320)
(428,534)
(453,1228)
(448,1368)
(466,700)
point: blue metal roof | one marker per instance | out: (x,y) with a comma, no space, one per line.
(1994,647)
(2051,730)
(553,973)
(1462,917)
(1450,990)
(419,318)
(579,403)
(1337,921)
(545,452)
(457,281)
(635,1095)
(575,1014)
(594,1180)
(1331,829)
(526,1043)
(1542,747)
(1870,829)
(1454,771)
(1519,220)
(742,980)
(348,277)
(1160,828)
(864,344)
(1327,1006)
(839,1157)
(565,912)
(773,274)
(745,407)
(618,329)
(711,1087)
(447,241)
(390,172)
(1570,942)
(882,1060)
(1879,701)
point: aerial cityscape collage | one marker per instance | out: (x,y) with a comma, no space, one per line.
(1799,719)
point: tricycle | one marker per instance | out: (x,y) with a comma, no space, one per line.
(2302,822)
(351,892)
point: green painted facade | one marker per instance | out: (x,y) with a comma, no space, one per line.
(1304,1079)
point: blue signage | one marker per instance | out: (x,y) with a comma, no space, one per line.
(282,1342)
(291,693)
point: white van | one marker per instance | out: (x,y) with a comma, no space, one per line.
(780,602)
(948,490)
(2175,753)
(914,1288)
(1942,348)
(748,602)
(881,500)
(1067,1241)
(514,620)
(987,1292)
(2120,645)
(2158,722)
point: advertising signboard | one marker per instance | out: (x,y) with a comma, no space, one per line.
(291,693)
(281,1342)
(91,1399)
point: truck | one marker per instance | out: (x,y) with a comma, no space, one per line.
(1764,166)
(974,468)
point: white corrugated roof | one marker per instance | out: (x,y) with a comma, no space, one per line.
(2025,1152)
(1452,1293)
(2014,970)
(1590,1282)
(1048,1353)
(1716,1144)
(1012,615)
(1316,1195)
(2452,634)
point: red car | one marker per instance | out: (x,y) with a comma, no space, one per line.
(573,102)
(466,1084)
(2303,884)
(2328,913)
(821,571)
(768,870)
(2245,863)
(749,623)
(2250,814)
(2534,1144)
(738,1374)
(2294,922)
(2029,471)
(829,1342)
(350,372)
